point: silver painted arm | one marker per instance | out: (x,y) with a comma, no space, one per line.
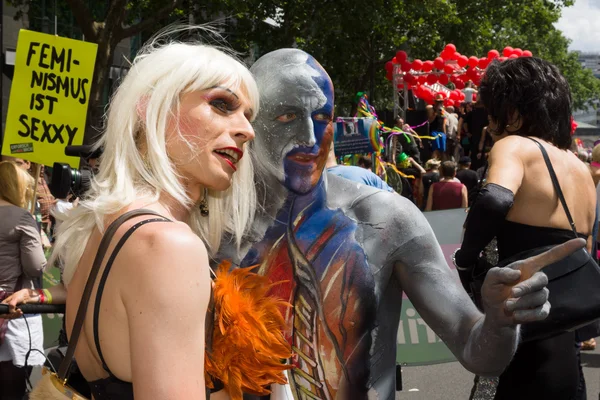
(483,345)
(511,295)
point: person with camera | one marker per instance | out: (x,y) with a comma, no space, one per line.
(21,260)
(528,100)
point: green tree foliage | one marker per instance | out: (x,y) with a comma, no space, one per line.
(353,40)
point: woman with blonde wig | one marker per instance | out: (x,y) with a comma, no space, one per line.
(175,144)
(21,259)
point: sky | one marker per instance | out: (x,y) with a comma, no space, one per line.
(581,24)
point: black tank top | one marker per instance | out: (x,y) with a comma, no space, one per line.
(514,237)
(544,369)
(112,388)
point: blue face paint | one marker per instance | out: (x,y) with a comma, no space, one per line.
(294,125)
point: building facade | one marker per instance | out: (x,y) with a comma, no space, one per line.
(591,61)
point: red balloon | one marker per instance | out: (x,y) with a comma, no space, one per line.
(389,66)
(462,61)
(446,55)
(401,56)
(513,56)
(394,60)
(460,84)
(474,97)
(483,63)
(422,79)
(518,52)
(507,51)
(427,93)
(420,92)
(417,91)
(471,73)
(417,65)
(450,48)
(449,69)
(408,78)
(456,56)
(427,66)
(406,66)
(493,54)
(473,61)
(438,63)
(449,103)
(444,79)
(527,53)
(454,95)
(400,86)
(432,78)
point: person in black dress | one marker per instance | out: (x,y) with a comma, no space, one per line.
(529,98)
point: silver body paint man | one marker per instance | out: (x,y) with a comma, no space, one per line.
(346,251)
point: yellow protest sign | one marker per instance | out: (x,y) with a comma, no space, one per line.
(49,98)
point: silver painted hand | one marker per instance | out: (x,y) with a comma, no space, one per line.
(517,293)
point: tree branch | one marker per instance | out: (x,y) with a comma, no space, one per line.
(84,19)
(140,26)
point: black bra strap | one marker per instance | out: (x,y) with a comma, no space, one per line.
(556,185)
(102,282)
(65,365)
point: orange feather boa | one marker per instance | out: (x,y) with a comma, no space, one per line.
(248,346)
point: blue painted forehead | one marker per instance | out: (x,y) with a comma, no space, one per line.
(322,79)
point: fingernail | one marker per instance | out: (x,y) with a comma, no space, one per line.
(510,304)
(516,292)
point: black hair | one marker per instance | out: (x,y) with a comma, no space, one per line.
(448,169)
(365,161)
(537,91)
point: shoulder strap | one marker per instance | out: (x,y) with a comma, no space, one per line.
(104,277)
(556,185)
(87,292)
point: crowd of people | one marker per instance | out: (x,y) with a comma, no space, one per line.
(453,149)
(177,149)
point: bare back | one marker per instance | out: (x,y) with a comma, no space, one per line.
(113,328)
(517,164)
(160,265)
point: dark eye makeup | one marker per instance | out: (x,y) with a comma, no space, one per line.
(224,105)
(226,101)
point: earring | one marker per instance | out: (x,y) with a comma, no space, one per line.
(204,204)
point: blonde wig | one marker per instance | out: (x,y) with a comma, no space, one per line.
(135,164)
(16,185)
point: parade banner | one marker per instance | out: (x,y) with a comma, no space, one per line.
(353,136)
(52,322)
(49,98)
(417,343)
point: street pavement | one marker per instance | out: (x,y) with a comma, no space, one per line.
(450,381)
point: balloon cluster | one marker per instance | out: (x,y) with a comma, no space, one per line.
(449,67)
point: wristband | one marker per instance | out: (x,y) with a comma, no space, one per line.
(48,296)
(41,295)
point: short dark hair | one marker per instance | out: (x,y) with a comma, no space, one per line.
(448,169)
(365,161)
(537,91)
(464,160)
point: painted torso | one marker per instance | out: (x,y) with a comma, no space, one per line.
(332,271)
